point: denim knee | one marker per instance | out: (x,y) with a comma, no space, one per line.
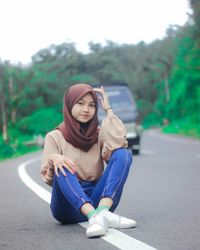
(122,153)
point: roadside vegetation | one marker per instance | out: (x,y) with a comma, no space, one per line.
(164,77)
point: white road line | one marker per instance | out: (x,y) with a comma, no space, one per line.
(40,191)
(114,237)
(147,152)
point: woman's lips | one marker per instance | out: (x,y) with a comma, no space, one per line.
(84,116)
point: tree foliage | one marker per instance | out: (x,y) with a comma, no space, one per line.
(164,77)
(185,77)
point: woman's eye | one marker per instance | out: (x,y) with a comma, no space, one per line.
(92,105)
(81,103)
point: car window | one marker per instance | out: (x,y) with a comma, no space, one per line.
(120,99)
(122,102)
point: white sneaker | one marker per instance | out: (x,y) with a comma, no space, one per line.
(97,226)
(116,221)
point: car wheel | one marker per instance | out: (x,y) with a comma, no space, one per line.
(136,146)
(135,151)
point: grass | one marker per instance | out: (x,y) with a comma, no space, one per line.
(17,145)
(8,152)
(183,128)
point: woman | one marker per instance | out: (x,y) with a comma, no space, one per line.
(73,163)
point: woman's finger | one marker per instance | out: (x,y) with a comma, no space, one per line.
(68,167)
(98,90)
(56,171)
(71,165)
(62,170)
(101,100)
(60,166)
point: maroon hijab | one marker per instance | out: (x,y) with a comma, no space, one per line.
(80,135)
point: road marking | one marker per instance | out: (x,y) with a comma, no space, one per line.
(113,236)
(40,191)
(147,152)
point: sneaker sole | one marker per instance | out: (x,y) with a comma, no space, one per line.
(98,233)
(123,226)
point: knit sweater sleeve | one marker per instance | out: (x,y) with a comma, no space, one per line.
(112,135)
(51,149)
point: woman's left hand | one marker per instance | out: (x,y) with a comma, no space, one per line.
(103,98)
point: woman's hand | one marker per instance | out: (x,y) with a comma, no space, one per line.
(103,98)
(60,162)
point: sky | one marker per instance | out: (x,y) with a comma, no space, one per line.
(26,26)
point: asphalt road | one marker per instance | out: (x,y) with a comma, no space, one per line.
(162,194)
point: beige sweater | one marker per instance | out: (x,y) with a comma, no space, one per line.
(89,164)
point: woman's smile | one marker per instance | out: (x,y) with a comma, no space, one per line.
(85,115)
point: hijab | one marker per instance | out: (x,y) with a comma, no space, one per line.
(80,135)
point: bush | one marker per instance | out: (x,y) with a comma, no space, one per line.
(151,121)
(16,148)
(40,122)
(184,127)
(6,150)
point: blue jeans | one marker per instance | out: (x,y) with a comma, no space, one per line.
(69,194)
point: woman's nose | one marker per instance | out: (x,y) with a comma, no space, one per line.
(85,108)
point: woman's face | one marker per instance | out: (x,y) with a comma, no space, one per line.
(84,110)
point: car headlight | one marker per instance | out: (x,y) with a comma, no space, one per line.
(131,135)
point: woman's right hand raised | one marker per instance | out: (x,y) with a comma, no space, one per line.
(60,162)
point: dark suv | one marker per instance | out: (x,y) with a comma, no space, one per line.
(124,106)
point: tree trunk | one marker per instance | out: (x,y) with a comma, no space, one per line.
(13,109)
(167,93)
(3,108)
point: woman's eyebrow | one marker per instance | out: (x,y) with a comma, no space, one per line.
(82,99)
